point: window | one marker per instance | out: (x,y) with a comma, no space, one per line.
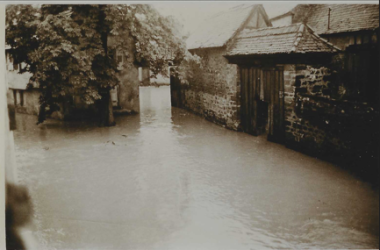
(119,58)
(16,67)
(9,61)
(140,74)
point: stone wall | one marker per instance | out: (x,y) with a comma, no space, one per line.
(213,92)
(320,120)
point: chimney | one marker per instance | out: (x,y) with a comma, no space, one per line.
(328,21)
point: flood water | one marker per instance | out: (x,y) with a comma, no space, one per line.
(168,179)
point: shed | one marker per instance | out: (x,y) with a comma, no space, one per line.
(267,59)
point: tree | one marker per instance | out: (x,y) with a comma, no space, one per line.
(66,48)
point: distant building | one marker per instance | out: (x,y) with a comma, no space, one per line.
(26,94)
(26,100)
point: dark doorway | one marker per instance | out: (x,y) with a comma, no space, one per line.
(262,103)
(262,117)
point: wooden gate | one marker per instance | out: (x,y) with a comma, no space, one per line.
(250,77)
(262,88)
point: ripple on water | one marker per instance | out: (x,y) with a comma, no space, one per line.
(176,181)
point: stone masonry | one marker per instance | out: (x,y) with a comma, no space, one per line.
(214,91)
(319,119)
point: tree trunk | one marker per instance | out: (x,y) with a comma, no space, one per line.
(111,119)
(106,110)
(106,107)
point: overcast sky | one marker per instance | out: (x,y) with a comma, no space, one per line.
(192,14)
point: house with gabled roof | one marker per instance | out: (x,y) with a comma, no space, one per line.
(214,90)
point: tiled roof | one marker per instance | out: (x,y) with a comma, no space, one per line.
(343,17)
(296,38)
(218,29)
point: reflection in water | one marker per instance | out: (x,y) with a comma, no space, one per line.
(168,179)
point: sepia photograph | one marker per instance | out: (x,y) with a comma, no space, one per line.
(189,125)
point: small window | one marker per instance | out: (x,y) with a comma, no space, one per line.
(9,62)
(119,59)
(366,39)
(15,67)
(358,39)
(374,37)
(140,74)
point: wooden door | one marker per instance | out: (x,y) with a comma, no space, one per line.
(274,87)
(258,86)
(249,79)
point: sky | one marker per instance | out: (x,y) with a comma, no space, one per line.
(193,14)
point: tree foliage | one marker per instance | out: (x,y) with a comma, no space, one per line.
(66,47)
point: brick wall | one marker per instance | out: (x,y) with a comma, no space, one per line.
(213,91)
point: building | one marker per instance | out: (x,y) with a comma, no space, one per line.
(214,91)
(345,121)
(311,82)
(125,96)
(341,24)
(25,100)
(354,28)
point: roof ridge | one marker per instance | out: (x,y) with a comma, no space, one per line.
(299,36)
(269,28)
(278,27)
(253,7)
(279,34)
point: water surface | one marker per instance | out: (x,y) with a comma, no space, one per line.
(168,179)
